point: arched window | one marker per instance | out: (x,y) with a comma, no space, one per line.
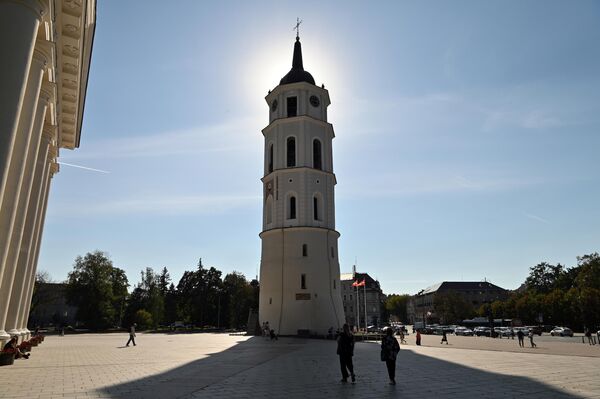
(292,209)
(270,158)
(317,158)
(269,209)
(316,208)
(304,250)
(291,152)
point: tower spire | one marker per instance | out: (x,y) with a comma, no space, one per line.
(297,28)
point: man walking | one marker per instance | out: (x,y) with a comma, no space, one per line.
(345,349)
(132,334)
(533,345)
(521,337)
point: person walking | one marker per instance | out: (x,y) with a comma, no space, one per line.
(444,337)
(345,350)
(402,340)
(132,334)
(521,338)
(588,335)
(389,352)
(418,338)
(533,345)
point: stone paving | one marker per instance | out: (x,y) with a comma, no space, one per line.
(223,366)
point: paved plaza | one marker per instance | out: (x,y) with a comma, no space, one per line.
(223,366)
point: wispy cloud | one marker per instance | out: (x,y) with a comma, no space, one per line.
(166,205)
(225,137)
(536,218)
(431,182)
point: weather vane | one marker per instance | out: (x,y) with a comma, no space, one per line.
(297,27)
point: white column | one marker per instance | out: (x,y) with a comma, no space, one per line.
(12,189)
(34,213)
(50,170)
(17,256)
(19,22)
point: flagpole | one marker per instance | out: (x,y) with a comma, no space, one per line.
(357,311)
(365,287)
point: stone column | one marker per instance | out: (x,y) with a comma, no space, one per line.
(19,22)
(50,169)
(34,212)
(22,230)
(10,197)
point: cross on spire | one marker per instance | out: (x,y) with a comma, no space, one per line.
(297,27)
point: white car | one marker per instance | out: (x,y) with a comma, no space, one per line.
(464,331)
(562,332)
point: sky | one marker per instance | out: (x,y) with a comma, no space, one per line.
(466,136)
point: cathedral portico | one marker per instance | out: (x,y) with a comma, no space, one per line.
(46,50)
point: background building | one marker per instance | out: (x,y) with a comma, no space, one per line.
(45,48)
(355,310)
(299,269)
(421,306)
(49,306)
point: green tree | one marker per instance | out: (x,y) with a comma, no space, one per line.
(98,289)
(544,277)
(147,296)
(396,306)
(143,319)
(238,297)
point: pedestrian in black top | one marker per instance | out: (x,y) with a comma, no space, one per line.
(131,334)
(345,349)
(444,337)
(389,351)
(521,337)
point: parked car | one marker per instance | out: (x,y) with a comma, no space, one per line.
(536,329)
(482,331)
(502,331)
(561,331)
(464,331)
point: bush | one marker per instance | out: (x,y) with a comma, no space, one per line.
(143,318)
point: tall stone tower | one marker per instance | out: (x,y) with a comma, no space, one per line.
(299,271)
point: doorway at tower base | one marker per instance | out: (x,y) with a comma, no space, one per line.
(300,281)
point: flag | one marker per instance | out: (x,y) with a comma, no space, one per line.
(359,284)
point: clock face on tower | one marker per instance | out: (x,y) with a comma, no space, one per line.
(314,101)
(274,105)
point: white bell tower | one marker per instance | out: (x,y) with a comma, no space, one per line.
(299,271)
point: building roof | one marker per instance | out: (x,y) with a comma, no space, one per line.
(297,73)
(460,285)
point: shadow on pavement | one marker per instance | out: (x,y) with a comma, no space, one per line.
(302,368)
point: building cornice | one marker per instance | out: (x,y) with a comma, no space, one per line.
(298,228)
(281,171)
(299,86)
(74,26)
(295,119)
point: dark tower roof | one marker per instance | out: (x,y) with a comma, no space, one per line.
(297,73)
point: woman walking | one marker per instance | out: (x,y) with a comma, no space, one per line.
(389,351)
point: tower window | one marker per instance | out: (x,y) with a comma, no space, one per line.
(332,254)
(271,158)
(334,284)
(303,281)
(317,163)
(292,210)
(269,209)
(291,152)
(304,250)
(316,208)
(292,106)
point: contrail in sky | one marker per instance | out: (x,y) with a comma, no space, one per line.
(83,167)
